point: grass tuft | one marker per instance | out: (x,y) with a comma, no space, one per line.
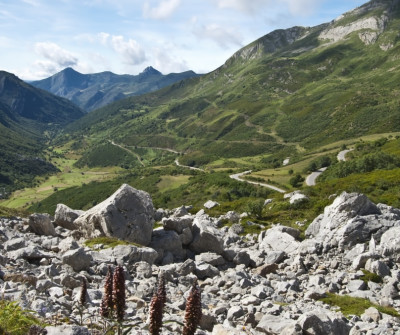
(108,242)
(355,306)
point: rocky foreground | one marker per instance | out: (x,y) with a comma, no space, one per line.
(255,284)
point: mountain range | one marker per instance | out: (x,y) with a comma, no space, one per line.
(290,93)
(92,91)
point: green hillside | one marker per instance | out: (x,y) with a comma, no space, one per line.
(290,90)
(298,95)
(29,118)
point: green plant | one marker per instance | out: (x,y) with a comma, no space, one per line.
(355,306)
(369,276)
(107,242)
(14,320)
(296,181)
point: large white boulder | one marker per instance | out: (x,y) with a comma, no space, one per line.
(128,215)
(351,219)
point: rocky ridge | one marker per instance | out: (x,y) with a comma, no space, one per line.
(269,283)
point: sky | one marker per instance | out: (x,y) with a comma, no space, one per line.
(39,38)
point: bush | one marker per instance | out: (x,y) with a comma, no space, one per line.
(296,181)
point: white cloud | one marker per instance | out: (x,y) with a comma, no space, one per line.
(163,10)
(166,62)
(55,54)
(303,7)
(224,37)
(296,7)
(130,50)
(245,6)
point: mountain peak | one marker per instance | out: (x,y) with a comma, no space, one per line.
(150,71)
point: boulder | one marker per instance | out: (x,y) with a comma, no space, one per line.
(177,223)
(128,215)
(126,255)
(206,237)
(65,216)
(351,219)
(78,259)
(277,240)
(321,321)
(41,224)
(390,242)
(167,240)
(211,204)
(274,325)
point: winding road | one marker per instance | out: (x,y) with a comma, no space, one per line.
(237,176)
(311,179)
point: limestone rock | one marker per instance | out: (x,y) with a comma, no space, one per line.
(41,224)
(350,220)
(206,237)
(276,240)
(78,259)
(321,321)
(167,240)
(128,215)
(65,216)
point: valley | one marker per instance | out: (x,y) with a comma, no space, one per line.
(270,184)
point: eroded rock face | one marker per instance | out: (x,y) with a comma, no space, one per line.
(128,215)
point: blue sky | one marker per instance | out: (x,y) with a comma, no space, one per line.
(41,37)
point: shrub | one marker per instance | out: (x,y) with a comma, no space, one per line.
(14,320)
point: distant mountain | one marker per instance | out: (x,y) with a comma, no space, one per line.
(289,91)
(91,91)
(28,118)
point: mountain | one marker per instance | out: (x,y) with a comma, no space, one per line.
(91,91)
(289,91)
(28,117)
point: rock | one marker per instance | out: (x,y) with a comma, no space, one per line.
(67,330)
(321,321)
(371,314)
(14,244)
(78,259)
(298,198)
(390,242)
(210,258)
(377,267)
(231,216)
(351,219)
(126,255)
(211,204)
(266,269)
(204,270)
(167,240)
(271,324)
(235,312)
(356,285)
(65,216)
(127,215)
(177,223)
(206,237)
(41,224)
(224,330)
(276,240)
